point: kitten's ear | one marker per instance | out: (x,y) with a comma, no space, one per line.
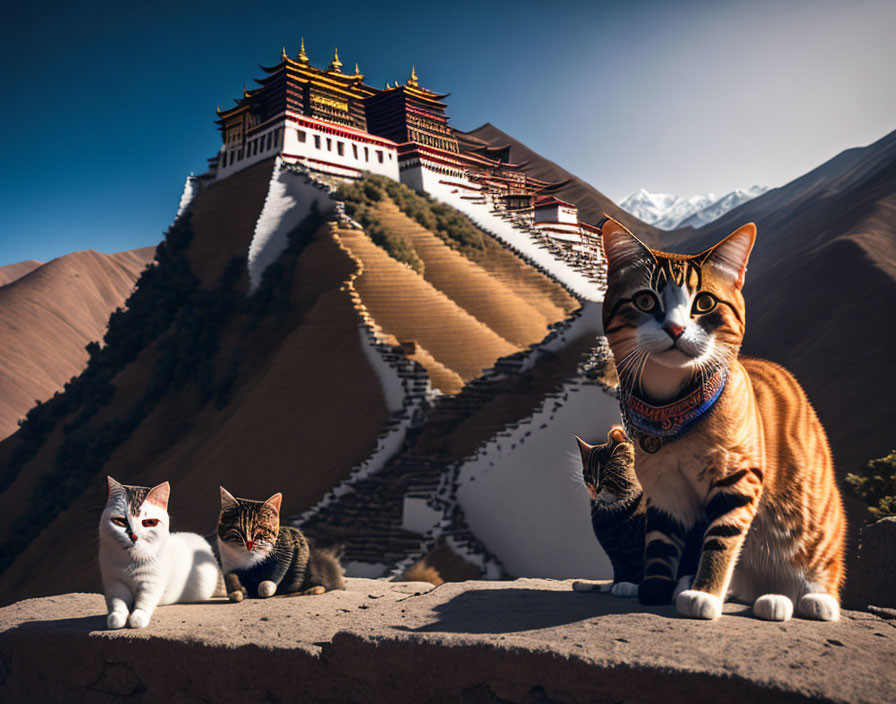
(158,495)
(621,248)
(114,487)
(729,257)
(228,500)
(274,502)
(617,434)
(584,448)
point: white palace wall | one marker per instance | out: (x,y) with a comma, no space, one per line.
(319,146)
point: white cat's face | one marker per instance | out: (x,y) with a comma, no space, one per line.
(136,518)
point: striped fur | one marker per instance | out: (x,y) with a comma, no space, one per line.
(259,557)
(757,470)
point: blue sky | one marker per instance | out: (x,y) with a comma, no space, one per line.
(108,106)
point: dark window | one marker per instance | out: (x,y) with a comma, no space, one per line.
(329,144)
(317,141)
(340,147)
(239,155)
(366,154)
(379,155)
(302,136)
(355,150)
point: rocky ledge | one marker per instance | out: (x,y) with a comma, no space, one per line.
(530,640)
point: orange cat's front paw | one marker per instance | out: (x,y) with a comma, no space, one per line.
(696,604)
(237,595)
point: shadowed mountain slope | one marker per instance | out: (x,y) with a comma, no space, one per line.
(820,289)
(47,317)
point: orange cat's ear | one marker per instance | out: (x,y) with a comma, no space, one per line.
(159,495)
(227,499)
(621,248)
(274,501)
(729,257)
(584,448)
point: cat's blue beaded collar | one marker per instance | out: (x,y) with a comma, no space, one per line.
(654,426)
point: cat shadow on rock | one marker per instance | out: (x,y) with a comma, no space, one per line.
(511,610)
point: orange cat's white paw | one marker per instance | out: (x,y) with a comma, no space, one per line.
(821,607)
(773,607)
(627,590)
(266,589)
(683,584)
(697,604)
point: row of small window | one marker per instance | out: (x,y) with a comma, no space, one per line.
(263,143)
(340,147)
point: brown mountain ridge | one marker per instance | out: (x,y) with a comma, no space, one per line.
(48,314)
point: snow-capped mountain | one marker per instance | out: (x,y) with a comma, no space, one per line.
(668,212)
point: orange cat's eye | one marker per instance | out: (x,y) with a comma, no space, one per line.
(704,303)
(120,521)
(644,301)
(150,522)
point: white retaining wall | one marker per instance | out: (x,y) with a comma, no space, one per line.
(288,202)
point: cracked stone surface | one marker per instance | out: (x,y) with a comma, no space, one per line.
(529,640)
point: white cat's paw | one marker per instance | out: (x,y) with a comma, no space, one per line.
(696,604)
(116,619)
(138,619)
(821,607)
(773,607)
(583,586)
(683,584)
(266,589)
(626,590)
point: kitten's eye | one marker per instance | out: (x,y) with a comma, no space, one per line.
(120,521)
(704,303)
(644,301)
(150,522)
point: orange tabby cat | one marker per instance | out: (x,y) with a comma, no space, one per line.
(733,442)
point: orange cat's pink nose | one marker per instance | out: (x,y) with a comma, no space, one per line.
(672,330)
(249,544)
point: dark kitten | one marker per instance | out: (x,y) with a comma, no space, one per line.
(618,513)
(260,557)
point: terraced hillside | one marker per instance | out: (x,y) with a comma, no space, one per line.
(284,390)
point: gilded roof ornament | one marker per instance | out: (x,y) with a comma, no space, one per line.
(303,57)
(283,56)
(335,64)
(388,87)
(412,81)
(245,92)
(357,69)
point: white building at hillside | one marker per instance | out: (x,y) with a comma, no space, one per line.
(559,220)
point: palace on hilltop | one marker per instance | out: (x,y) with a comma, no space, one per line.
(331,122)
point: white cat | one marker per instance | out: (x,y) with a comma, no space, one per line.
(143,565)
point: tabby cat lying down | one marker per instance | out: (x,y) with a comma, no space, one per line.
(262,558)
(728,440)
